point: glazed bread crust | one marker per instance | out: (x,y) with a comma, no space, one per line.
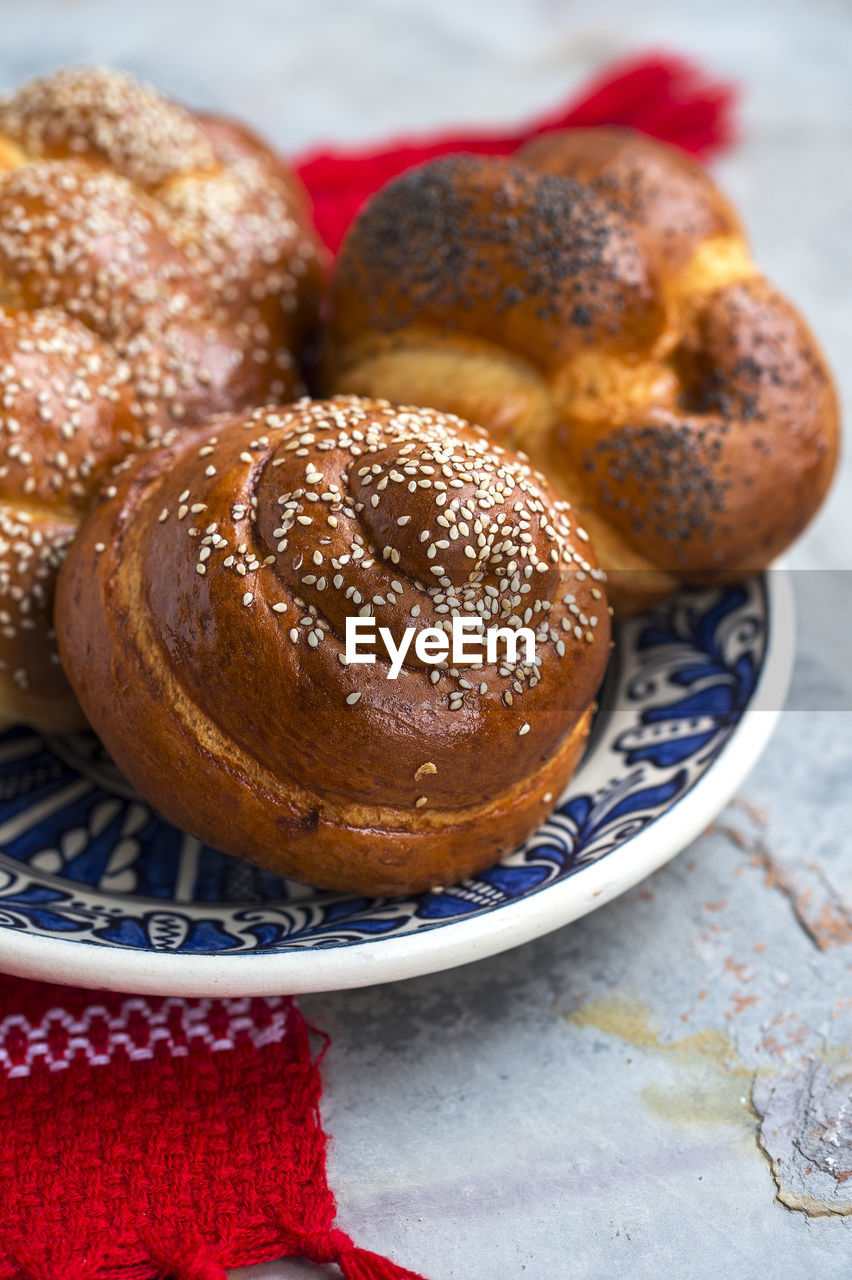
(206,600)
(156,267)
(593,302)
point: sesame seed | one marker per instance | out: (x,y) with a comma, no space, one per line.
(352,698)
(523,729)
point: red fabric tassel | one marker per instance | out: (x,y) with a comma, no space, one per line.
(356,1264)
(662,95)
(361,1264)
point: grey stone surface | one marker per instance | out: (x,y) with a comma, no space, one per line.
(660,1089)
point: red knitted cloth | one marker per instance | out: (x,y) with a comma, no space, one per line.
(665,96)
(148,1138)
(161,1137)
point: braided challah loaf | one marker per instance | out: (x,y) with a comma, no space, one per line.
(156,267)
(593,303)
(207,599)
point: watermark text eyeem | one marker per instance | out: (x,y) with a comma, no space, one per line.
(468,644)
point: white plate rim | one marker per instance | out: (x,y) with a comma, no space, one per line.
(466,940)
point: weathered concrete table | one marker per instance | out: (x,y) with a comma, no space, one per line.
(663,1088)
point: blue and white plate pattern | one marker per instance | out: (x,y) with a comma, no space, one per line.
(84,860)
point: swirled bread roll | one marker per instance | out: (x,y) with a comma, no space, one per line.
(594,303)
(156,267)
(202,614)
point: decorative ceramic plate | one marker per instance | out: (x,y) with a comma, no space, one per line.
(96,889)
